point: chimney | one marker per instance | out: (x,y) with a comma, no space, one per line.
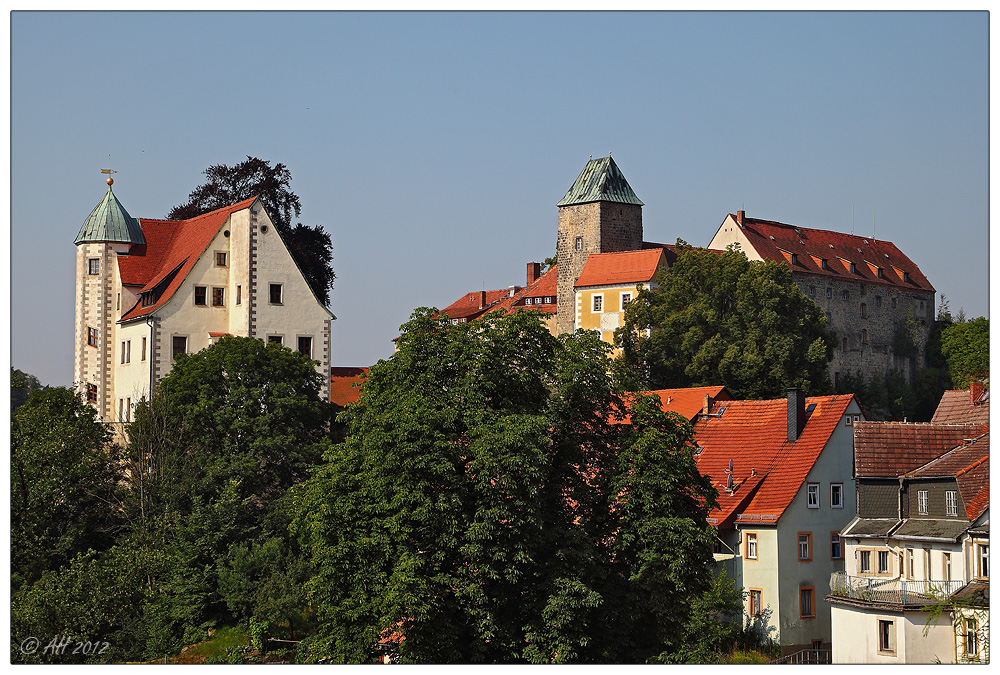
(534,271)
(975,392)
(482,299)
(740,215)
(706,407)
(796,413)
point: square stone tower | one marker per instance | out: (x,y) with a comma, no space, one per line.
(599,214)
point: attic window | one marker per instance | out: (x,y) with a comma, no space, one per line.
(795,258)
(698,449)
(854,268)
(906,276)
(881,273)
(823,264)
(147,299)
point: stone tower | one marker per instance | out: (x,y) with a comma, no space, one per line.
(108,232)
(599,214)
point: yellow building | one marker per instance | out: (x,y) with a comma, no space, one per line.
(609,281)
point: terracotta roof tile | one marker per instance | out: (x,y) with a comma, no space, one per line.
(345,384)
(957,407)
(689,401)
(891,449)
(868,254)
(542,287)
(172,247)
(768,470)
(471,305)
(626,267)
(969,463)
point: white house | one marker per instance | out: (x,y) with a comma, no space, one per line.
(148,290)
(920,538)
(783,471)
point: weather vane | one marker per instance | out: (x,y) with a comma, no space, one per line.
(109,172)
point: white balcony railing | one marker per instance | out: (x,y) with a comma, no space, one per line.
(892,591)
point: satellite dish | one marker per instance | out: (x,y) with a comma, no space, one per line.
(730,469)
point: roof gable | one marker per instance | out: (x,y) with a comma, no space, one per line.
(600,181)
(848,257)
(957,407)
(172,248)
(109,221)
(891,449)
(768,469)
(626,267)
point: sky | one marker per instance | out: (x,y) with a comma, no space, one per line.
(433,146)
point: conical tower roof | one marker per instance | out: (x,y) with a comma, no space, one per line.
(600,181)
(109,221)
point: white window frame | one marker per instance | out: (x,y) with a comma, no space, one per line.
(756,602)
(223,256)
(298,345)
(750,538)
(93,267)
(221,290)
(274,338)
(971,636)
(836,502)
(836,541)
(886,636)
(951,503)
(883,561)
(864,561)
(812,495)
(622,301)
(983,560)
(946,565)
(805,546)
(597,303)
(204,290)
(578,244)
(921,502)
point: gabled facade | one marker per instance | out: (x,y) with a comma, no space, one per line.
(148,290)
(783,471)
(920,537)
(876,299)
(538,294)
(960,406)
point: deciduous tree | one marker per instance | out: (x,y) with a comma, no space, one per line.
(966,346)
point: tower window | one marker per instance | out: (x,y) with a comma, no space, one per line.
(864,311)
(92,337)
(579,243)
(92,393)
(598,303)
(94,266)
(829,293)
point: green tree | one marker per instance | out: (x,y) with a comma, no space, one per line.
(310,246)
(63,479)
(22,386)
(488,505)
(719,318)
(966,346)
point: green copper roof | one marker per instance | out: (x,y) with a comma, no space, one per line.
(109,221)
(600,181)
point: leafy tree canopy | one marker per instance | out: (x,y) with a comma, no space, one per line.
(22,385)
(719,318)
(966,346)
(310,247)
(487,505)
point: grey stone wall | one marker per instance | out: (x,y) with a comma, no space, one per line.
(871,331)
(605,227)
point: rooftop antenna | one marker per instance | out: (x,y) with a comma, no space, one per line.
(852,220)
(873,223)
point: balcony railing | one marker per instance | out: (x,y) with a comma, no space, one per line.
(892,591)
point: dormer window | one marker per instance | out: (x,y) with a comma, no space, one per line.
(823,264)
(906,277)
(854,268)
(880,273)
(527,301)
(147,299)
(795,258)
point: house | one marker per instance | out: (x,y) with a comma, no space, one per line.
(538,294)
(969,405)
(783,469)
(876,299)
(920,536)
(148,290)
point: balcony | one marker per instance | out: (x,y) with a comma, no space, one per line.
(892,591)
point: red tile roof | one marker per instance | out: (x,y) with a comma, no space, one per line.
(472,305)
(768,470)
(172,246)
(689,401)
(811,246)
(957,407)
(969,463)
(542,287)
(345,384)
(891,449)
(626,267)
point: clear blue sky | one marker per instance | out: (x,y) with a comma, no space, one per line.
(434,146)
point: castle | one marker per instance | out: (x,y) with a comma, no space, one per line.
(876,300)
(149,290)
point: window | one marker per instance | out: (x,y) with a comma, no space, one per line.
(984,561)
(836,549)
(854,270)
(598,303)
(143,357)
(626,298)
(275,294)
(946,564)
(795,258)
(807,609)
(180,344)
(812,495)
(121,412)
(805,546)
(906,277)
(865,562)
(306,346)
(880,273)
(220,258)
(750,550)
(276,339)
(123,352)
(92,337)
(527,301)
(878,301)
(847,420)
(200,295)
(118,302)
(883,562)
(92,393)
(971,637)
(812,291)
(951,503)
(579,243)
(845,294)
(756,602)
(927,564)
(922,502)
(909,564)
(836,495)
(893,303)
(94,266)
(886,636)
(548,299)
(864,311)
(845,344)
(239,294)
(829,293)
(128,351)
(864,336)
(824,265)
(147,299)
(128,409)
(218,295)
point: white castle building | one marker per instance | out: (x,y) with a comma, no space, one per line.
(148,290)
